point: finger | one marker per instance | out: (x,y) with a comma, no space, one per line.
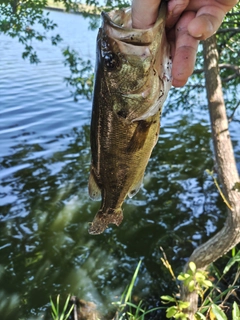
(185,51)
(206,22)
(144,13)
(175,9)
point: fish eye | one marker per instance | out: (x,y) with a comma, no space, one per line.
(111,61)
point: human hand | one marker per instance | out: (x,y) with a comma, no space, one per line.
(188,21)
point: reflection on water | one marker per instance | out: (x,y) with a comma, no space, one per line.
(45,248)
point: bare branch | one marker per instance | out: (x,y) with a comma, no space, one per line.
(232,67)
(229,66)
(232,115)
(227,30)
(198,71)
(226,79)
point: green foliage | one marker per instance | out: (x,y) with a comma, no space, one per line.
(21,19)
(81,78)
(126,308)
(195,280)
(176,311)
(232,261)
(24,19)
(65,313)
(235,311)
(237,186)
(212,304)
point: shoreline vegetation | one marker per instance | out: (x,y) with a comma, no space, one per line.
(81,8)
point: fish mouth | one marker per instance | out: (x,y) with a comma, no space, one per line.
(117,24)
(122,47)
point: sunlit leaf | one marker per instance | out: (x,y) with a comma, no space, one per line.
(183,276)
(168,298)
(191,286)
(231,262)
(199,316)
(199,276)
(207,283)
(192,266)
(171,311)
(217,311)
(183,304)
(235,311)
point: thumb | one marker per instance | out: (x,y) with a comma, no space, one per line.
(207,21)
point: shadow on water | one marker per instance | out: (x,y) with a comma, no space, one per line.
(45,248)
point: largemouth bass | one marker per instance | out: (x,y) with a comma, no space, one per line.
(132,80)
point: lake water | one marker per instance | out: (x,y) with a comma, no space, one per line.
(45,248)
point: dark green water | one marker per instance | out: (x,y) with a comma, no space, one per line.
(45,248)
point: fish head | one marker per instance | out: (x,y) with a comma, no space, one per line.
(134,63)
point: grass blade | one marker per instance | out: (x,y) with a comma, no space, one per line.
(130,288)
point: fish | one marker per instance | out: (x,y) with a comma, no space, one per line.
(132,80)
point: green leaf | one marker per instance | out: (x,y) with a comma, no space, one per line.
(207,283)
(54,311)
(192,266)
(65,308)
(183,276)
(199,316)
(183,304)
(235,311)
(153,309)
(231,262)
(217,311)
(137,307)
(191,286)
(180,315)
(168,298)
(199,276)
(130,288)
(171,311)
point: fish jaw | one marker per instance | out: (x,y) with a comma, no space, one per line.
(104,218)
(142,57)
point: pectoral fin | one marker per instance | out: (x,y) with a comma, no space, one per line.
(135,188)
(139,136)
(93,188)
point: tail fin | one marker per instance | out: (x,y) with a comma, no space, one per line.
(103,219)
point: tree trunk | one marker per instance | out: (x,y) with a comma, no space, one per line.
(229,235)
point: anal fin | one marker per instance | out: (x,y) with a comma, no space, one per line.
(93,188)
(135,188)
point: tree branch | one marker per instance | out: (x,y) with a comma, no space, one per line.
(234,110)
(229,66)
(227,30)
